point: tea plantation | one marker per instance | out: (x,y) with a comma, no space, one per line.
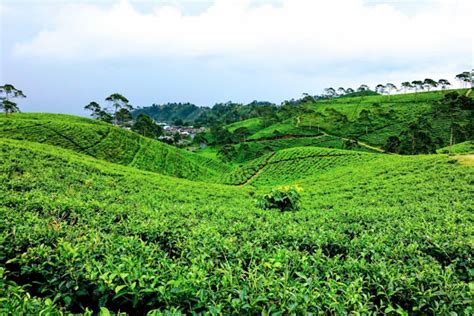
(96,219)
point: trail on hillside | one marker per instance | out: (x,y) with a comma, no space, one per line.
(260,169)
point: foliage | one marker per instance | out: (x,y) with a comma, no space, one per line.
(466,147)
(285,199)
(78,234)
(106,142)
(145,126)
(7,92)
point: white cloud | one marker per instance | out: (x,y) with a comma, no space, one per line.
(293,30)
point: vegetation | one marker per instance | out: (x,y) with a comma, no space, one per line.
(106,142)
(282,198)
(290,209)
(80,234)
(7,92)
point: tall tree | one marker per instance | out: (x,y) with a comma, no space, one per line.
(341,91)
(390,87)
(464,78)
(417,85)
(457,108)
(349,90)
(429,83)
(330,92)
(363,87)
(145,126)
(7,92)
(242,133)
(98,112)
(443,83)
(380,88)
(118,102)
(406,86)
(365,120)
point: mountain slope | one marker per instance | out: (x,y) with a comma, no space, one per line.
(106,142)
(369,119)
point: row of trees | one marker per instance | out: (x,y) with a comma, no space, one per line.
(464,78)
(119,113)
(7,93)
(119,110)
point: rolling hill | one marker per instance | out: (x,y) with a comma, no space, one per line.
(95,219)
(103,141)
(366,121)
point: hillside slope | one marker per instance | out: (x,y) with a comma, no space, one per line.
(106,142)
(79,234)
(370,120)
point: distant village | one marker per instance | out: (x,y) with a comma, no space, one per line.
(179,135)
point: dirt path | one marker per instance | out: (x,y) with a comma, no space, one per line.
(467,160)
(259,170)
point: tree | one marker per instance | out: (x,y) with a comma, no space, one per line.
(330,92)
(417,85)
(221,135)
(242,133)
(443,83)
(380,88)
(178,122)
(390,87)
(123,117)
(9,107)
(8,91)
(362,88)
(364,119)
(118,102)
(416,139)
(349,91)
(455,106)
(145,126)
(341,91)
(464,78)
(98,112)
(392,144)
(429,83)
(406,86)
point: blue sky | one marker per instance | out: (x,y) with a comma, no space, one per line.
(64,54)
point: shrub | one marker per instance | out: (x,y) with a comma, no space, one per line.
(283,198)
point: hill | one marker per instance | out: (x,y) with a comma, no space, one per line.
(106,142)
(375,234)
(364,123)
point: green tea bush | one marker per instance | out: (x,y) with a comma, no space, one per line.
(285,198)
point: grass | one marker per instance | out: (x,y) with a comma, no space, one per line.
(375,233)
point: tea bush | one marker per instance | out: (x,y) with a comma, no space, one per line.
(283,198)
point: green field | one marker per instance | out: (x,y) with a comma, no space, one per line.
(96,218)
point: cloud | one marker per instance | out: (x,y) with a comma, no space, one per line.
(290,33)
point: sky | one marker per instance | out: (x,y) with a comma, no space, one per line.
(64,54)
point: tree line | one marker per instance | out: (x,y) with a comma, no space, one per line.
(465,79)
(119,113)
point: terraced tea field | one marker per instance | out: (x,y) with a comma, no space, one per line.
(95,219)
